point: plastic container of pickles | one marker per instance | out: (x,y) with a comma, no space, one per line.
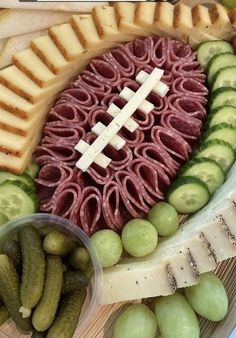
(66,227)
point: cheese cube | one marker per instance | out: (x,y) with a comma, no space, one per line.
(117,142)
(105,21)
(125,14)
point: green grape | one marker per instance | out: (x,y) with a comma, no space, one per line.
(108,246)
(137,321)
(208,298)
(175,317)
(228,3)
(165,218)
(139,237)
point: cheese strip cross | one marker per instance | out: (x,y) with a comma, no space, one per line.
(118,122)
(131,125)
(102,160)
(116,142)
(127,93)
(160,89)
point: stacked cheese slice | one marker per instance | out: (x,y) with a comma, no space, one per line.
(29,86)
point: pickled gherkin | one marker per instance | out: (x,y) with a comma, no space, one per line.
(11,248)
(10,292)
(45,311)
(74,280)
(65,324)
(33,269)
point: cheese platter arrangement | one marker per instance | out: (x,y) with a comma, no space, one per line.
(117,170)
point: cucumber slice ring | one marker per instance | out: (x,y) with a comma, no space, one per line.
(223,114)
(188,195)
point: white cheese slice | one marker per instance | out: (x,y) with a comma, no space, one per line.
(101,160)
(125,13)
(131,125)
(118,122)
(117,142)
(104,17)
(127,94)
(160,89)
(17,81)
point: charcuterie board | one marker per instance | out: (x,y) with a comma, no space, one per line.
(41,67)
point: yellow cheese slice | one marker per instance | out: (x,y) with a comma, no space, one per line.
(164,20)
(15,144)
(105,21)
(66,41)
(19,106)
(125,14)
(15,164)
(144,15)
(202,21)
(17,81)
(37,71)
(48,52)
(219,16)
(16,125)
(87,33)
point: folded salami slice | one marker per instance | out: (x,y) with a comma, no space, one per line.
(66,198)
(159,53)
(187,127)
(158,156)
(79,96)
(113,206)
(119,58)
(189,105)
(172,142)
(138,51)
(190,87)
(95,175)
(89,81)
(68,113)
(178,51)
(91,200)
(61,153)
(133,193)
(152,178)
(62,132)
(191,69)
(105,72)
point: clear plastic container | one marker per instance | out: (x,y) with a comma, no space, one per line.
(9,230)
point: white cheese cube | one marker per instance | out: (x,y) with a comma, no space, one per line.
(117,142)
(146,106)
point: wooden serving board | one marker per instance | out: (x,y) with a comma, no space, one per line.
(103,322)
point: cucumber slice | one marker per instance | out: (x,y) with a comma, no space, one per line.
(25,178)
(225,77)
(223,97)
(206,50)
(3,218)
(17,199)
(225,132)
(188,194)
(218,62)
(207,170)
(32,169)
(219,151)
(224,114)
